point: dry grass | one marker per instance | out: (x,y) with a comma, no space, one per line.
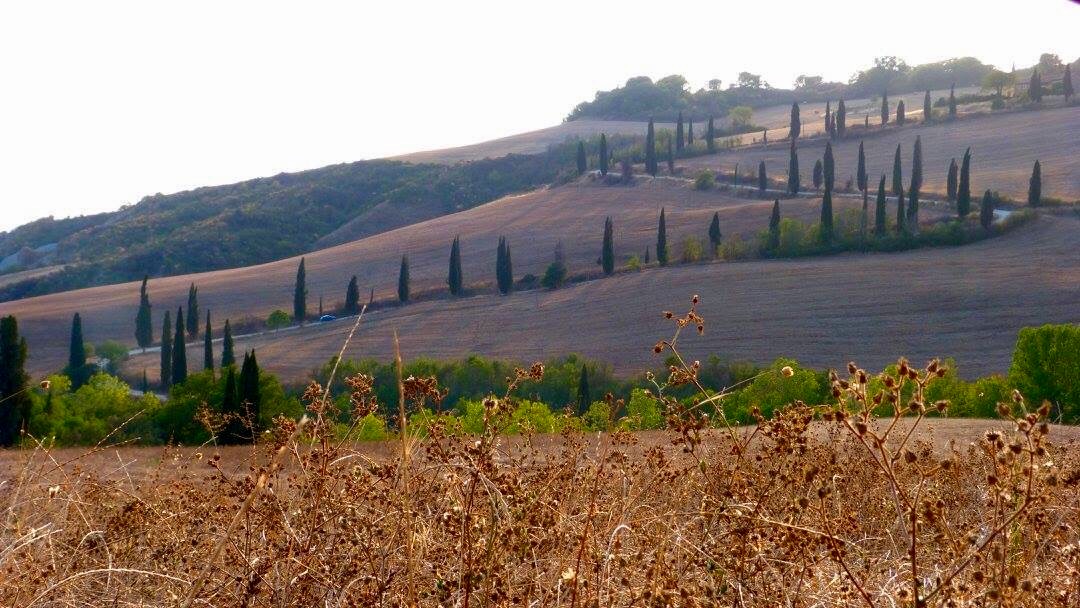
(857,509)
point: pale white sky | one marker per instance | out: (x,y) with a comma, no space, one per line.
(104,102)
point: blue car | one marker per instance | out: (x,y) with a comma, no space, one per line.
(327,318)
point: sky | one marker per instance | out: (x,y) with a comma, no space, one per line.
(102,103)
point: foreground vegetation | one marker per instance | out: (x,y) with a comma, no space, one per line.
(842,503)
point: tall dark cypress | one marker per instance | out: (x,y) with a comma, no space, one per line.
(179,356)
(913,211)
(950,181)
(897,177)
(584,398)
(690,133)
(901,114)
(14,382)
(679,137)
(608,254)
(193,311)
(986,211)
(884,108)
(900,222)
(774,226)
(670,158)
(793,170)
(582,160)
(735,176)
(714,233)
(927,109)
(828,117)
(841,119)
(1035,87)
(166,351)
(455,278)
(710,136)
(249,393)
(144,321)
(650,150)
(504,270)
(826,217)
(916,166)
(661,240)
(77,369)
(208,345)
(762,179)
(1066,83)
(963,189)
(233,432)
(796,123)
(1035,185)
(403,280)
(952,101)
(817,174)
(603,155)
(352,297)
(228,354)
(829,167)
(879,209)
(860,174)
(300,293)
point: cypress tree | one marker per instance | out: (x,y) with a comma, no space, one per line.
(927,109)
(793,170)
(796,123)
(608,254)
(986,211)
(901,115)
(1035,185)
(817,174)
(584,399)
(455,278)
(193,311)
(774,226)
(1066,83)
(661,240)
(403,280)
(670,158)
(166,351)
(371,297)
(762,179)
(647,260)
(145,386)
(352,296)
(650,150)
(144,322)
(603,155)
(320,306)
(710,136)
(714,232)
(879,209)
(826,216)
(14,382)
(828,116)
(230,408)
(504,270)
(690,134)
(679,139)
(952,101)
(841,119)
(963,190)
(582,161)
(884,108)
(179,356)
(735,177)
(900,223)
(864,217)
(916,166)
(829,167)
(860,174)
(950,181)
(913,210)
(249,393)
(208,345)
(77,369)
(300,294)
(866,121)
(228,355)
(1035,87)
(897,177)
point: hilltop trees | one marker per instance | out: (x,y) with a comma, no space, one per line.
(879,209)
(300,294)
(14,382)
(860,173)
(897,178)
(179,355)
(1066,83)
(793,170)
(208,345)
(927,108)
(817,174)
(1035,87)
(774,226)
(950,181)
(680,140)
(455,278)
(714,233)
(608,254)
(77,369)
(986,211)
(603,155)
(650,150)
(352,297)
(228,355)
(963,190)
(1035,185)
(796,123)
(166,351)
(661,240)
(504,267)
(884,109)
(762,179)
(841,119)
(403,280)
(710,137)
(144,323)
(193,311)
(901,115)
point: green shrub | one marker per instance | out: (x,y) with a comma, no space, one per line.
(772,390)
(1046,366)
(633,264)
(705,180)
(598,417)
(642,412)
(692,250)
(278,319)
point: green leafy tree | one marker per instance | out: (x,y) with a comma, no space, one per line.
(228,353)
(796,123)
(986,211)
(710,136)
(300,293)
(403,280)
(77,369)
(352,296)
(1045,366)
(927,108)
(714,233)
(278,319)
(603,155)
(901,113)
(166,351)
(650,150)
(680,140)
(793,170)
(997,80)
(952,101)
(193,311)
(144,323)
(829,167)
(950,181)
(1035,185)
(179,356)
(817,174)
(897,177)
(826,217)
(608,254)
(963,189)
(884,109)
(879,209)
(14,382)
(584,398)
(774,227)
(1035,87)
(860,175)
(762,179)
(661,240)
(455,278)
(208,345)
(582,160)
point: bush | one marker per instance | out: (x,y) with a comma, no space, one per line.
(1046,365)
(634,263)
(642,412)
(772,390)
(278,319)
(705,180)
(554,276)
(692,250)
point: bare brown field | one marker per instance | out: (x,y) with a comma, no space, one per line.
(1003,148)
(533,222)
